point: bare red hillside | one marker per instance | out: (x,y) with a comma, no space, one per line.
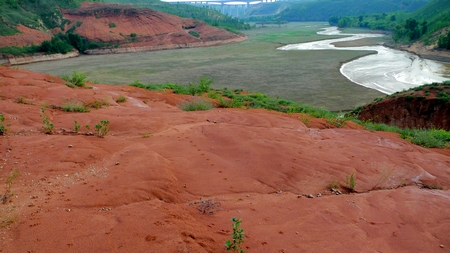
(166,180)
(115,24)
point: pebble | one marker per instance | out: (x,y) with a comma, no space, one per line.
(70,145)
(442,245)
(117,163)
(310,196)
(319,194)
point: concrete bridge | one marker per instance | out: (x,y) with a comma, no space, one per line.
(234,8)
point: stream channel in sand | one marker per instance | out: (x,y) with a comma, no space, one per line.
(388,71)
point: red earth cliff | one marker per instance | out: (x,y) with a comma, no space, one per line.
(166,180)
(427,107)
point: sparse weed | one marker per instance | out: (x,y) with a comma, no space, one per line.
(146,135)
(384,176)
(237,236)
(97,104)
(334,184)
(8,220)
(22,100)
(47,125)
(74,107)
(121,99)
(305,118)
(350,182)
(3,128)
(198,104)
(76,127)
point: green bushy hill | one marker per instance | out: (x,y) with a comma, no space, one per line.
(322,10)
(36,14)
(429,23)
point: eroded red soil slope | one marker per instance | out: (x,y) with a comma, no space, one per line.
(114,24)
(140,188)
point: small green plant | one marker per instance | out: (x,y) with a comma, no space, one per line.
(121,99)
(74,107)
(133,35)
(78,79)
(350,182)
(88,128)
(76,127)
(47,125)
(198,104)
(3,128)
(237,236)
(213,95)
(194,33)
(112,25)
(102,128)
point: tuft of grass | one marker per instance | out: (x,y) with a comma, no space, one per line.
(121,99)
(97,104)
(197,104)
(8,220)
(305,118)
(350,182)
(74,107)
(334,184)
(78,79)
(146,135)
(22,100)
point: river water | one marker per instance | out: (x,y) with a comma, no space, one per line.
(388,71)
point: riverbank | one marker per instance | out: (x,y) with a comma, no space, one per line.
(427,52)
(388,71)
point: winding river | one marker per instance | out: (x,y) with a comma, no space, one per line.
(388,71)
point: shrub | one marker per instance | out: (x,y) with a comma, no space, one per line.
(112,25)
(198,104)
(195,34)
(133,35)
(102,128)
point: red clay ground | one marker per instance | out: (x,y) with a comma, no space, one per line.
(127,193)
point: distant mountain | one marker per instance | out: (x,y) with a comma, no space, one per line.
(322,10)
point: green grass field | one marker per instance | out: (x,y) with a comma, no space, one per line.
(309,77)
